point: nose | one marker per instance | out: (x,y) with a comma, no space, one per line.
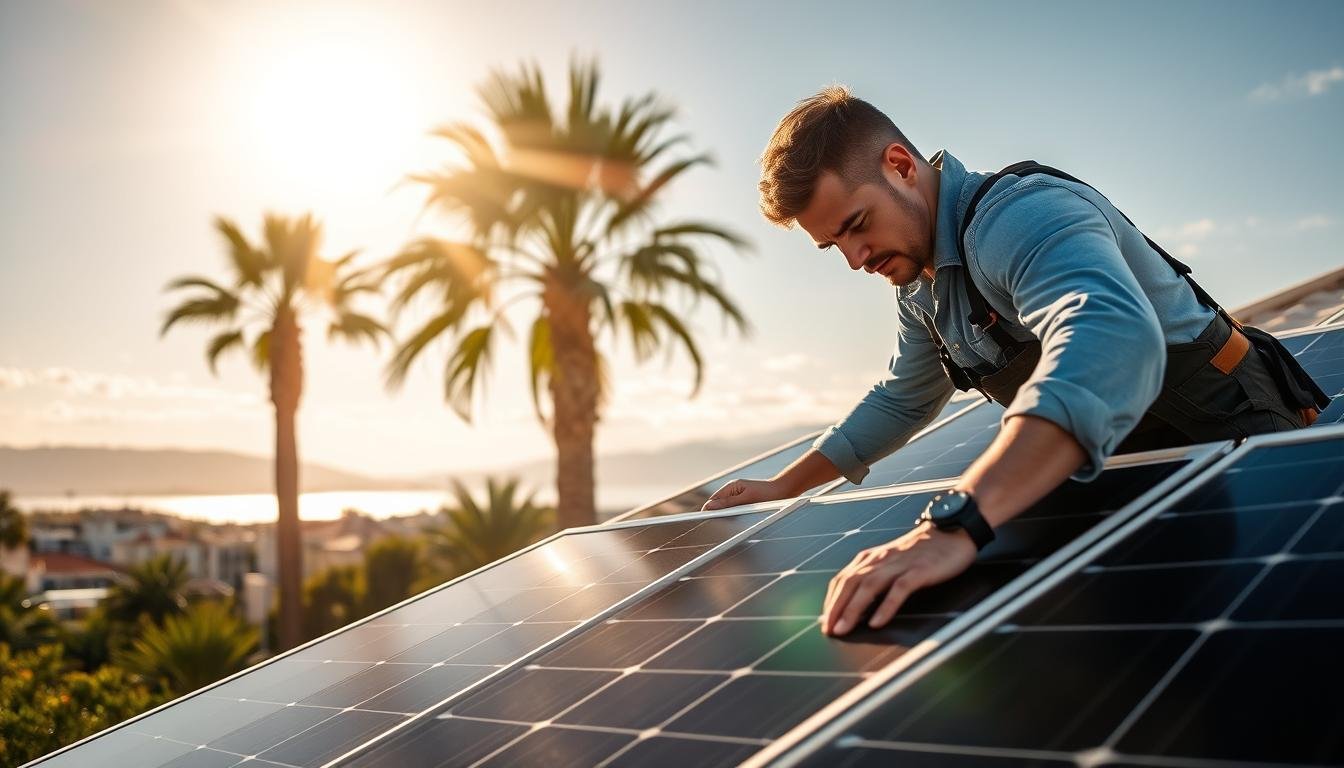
(857,256)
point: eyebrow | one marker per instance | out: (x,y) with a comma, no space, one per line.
(844,226)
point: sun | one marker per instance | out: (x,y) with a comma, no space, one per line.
(331,105)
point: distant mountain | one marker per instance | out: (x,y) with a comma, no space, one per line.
(677,465)
(54,471)
(57,470)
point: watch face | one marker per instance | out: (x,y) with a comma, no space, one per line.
(945,507)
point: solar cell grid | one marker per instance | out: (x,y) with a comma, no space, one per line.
(693,499)
(1206,635)
(1322,355)
(317,703)
(943,453)
(717,664)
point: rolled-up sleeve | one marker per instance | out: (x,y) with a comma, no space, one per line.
(896,407)
(1102,349)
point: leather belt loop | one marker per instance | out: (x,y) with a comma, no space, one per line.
(1234,349)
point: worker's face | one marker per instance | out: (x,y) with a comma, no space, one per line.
(883,227)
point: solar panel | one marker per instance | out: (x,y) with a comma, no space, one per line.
(316,703)
(1208,629)
(1321,353)
(710,668)
(764,466)
(693,498)
(939,454)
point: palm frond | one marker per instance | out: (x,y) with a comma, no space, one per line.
(465,368)
(213,309)
(355,327)
(261,351)
(249,263)
(540,360)
(219,344)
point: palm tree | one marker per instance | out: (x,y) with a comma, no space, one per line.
(23,625)
(13,525)
(153,589)
(474,534)
(192,650)
(280,283)
(559,210)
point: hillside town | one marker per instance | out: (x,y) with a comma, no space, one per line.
(73,559)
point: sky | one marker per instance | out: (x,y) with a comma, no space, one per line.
(126,127)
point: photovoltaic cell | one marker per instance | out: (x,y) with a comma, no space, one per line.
(314,705)
(1209,635)
(1322,355)
(767,466)
(943,453)
(693,499)
(712,667)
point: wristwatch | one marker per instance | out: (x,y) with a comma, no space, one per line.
(957,511)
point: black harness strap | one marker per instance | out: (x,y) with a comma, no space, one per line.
(985,317)
(1295,383)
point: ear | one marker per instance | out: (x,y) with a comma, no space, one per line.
(897,160)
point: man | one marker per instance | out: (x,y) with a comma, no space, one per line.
(1090,337)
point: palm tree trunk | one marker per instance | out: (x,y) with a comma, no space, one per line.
(286,389)
(574,389)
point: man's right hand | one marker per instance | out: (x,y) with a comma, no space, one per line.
(738,492)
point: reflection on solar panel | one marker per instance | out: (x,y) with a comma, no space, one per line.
(692,499)
(943,453)
(312,705)
(1322,354)
(766,466)
(1209,632)
(708,669)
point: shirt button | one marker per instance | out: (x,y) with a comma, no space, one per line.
(956,346)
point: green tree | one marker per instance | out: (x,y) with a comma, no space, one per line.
(279,283)
(559,206)
(191,650)
(332,598)
(153,589)
(13,525)
(391,568)
(474,534)
(23,625)
(43,706)
(92,642)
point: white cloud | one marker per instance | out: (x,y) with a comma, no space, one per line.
(1314,221)
(785,363)
(1187,250)
(113,386)
(1313,83)
(1191,230)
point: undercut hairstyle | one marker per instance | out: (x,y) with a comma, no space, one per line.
(831,131)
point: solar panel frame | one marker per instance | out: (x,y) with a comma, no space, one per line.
(967,401)
(1194,457)
(776,508)
(845,712)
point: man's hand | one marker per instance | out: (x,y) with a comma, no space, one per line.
(923,557)
(738,492)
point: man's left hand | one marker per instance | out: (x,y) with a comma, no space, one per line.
(923,557)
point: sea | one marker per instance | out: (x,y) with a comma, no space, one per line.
(249,508)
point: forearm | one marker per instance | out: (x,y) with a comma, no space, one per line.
(806,472)
(1030,457)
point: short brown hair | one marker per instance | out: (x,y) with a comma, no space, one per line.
(831,131)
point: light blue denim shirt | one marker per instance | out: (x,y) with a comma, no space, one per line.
(1060,264)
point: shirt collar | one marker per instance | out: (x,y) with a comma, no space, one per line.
(947,220)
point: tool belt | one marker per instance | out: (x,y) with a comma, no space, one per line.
(1214,387)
